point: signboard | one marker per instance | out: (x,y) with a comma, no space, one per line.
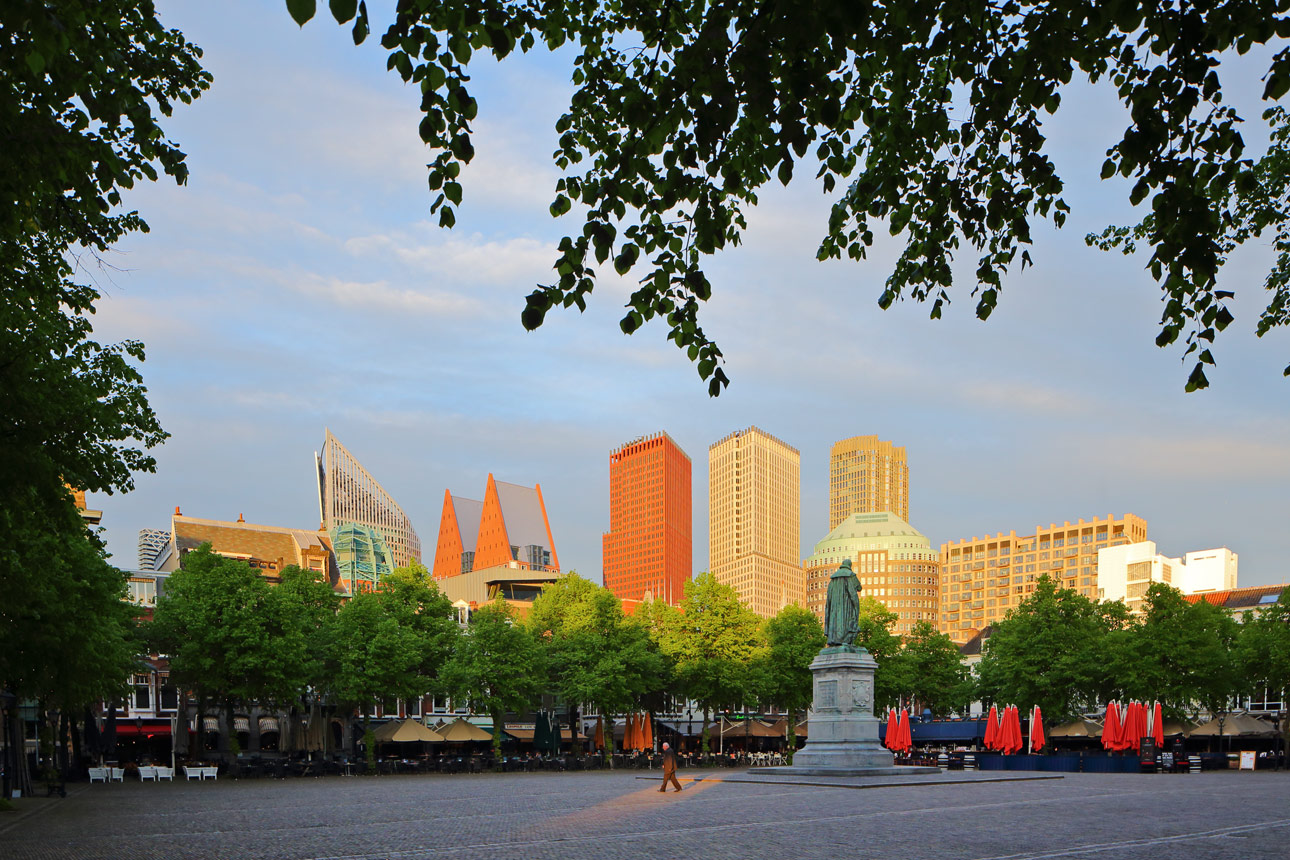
(1167,761)
(1247,760)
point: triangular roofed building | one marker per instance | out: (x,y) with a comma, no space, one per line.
(510,527)
(349,495)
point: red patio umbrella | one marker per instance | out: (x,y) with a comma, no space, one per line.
(1036,730)
(1111,727)
(904,737)
(992,729)
(1132,737)
(1015,741)
(647,738)
(1158,725)
(893,730)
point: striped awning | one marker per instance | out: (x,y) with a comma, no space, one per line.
(268,724)
(241,724)
(210,724)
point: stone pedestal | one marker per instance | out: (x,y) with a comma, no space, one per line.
(842,732)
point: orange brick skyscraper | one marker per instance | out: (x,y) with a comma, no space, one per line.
(648,546)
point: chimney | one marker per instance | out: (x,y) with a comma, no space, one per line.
(239,519)
(177,511)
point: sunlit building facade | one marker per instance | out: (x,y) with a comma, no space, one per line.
(983,578)
(755,519)
(348,495)
(509,527)
(895,563)
(867,476)
(649,546)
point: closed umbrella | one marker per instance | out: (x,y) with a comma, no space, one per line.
(1015,742)
(904,737)
(629,736)
(649,732)
(555,737)
(893,729)
(1111,727)
(1036,730)
(992,729)
(1158,725)
(541,732)
(1132,735)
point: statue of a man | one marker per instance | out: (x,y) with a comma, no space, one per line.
(842,606)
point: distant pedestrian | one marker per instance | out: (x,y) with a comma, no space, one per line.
(669,768)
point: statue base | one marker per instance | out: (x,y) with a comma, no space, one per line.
(842,732)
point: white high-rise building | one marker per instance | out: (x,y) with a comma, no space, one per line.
(1125,572)
(154,546)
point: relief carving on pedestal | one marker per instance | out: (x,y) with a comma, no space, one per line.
(862,695)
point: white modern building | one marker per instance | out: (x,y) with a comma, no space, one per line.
(1125,572)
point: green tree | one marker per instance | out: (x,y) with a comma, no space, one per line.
(1181,653)
(713,641)
(308,604)
(593,654)
(67,636)
(923,120)
(1263,652)
(892,676)
(794,636)
(394,642)
(936,675)
(228,637)
(497,667)
(1045,652)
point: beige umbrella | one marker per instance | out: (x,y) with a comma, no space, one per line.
(407,731)
(1171,728)
(463,730)
(1235,725)
(1078,729)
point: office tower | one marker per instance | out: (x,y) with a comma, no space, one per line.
(648,548)
(348,495)
(152,548)
(754,519)
(894,562)
(982,578)
(867,476)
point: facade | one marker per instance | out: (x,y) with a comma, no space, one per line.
(982,578)
(347,494)
(649,546)
(1126,572)
(867,476)
(509,525)
(92,517)
(361,556)
(517,585)
(754,519)
(266,548)
(153,547)
(1210,570)
(895,563)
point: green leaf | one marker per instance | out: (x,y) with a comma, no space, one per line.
(302,10)
(36,62)
(341,10)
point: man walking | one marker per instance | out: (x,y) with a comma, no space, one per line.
(669,768)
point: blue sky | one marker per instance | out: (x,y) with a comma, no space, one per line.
(298,281)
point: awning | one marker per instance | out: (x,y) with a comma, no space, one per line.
(241,724)
(268,724)
(210,724)
(128,728)
(520,734)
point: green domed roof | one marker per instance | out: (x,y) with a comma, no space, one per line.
(871,531)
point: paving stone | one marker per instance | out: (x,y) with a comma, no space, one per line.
(614,816)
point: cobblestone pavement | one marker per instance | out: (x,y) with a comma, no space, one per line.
(616,815)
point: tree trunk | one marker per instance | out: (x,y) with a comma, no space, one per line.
(498,716)
(16,745)
(78,747)
(704,746)
(369,742)
(229,737)
(61,739)
(790,733)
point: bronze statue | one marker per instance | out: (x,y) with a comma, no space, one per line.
(842,607)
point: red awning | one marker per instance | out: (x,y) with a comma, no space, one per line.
(124,728)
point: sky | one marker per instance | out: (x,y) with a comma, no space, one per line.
(298,282)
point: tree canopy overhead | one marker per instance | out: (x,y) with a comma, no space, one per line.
(921,117)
